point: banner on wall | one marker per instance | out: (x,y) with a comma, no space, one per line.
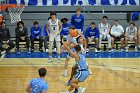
(74,2)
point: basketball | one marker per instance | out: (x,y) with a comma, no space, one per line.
(74,33)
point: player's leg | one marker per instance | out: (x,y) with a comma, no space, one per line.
(126,43)
(1,48)
(89,70)
(17,45)
(109,42)
(100,40)
(96,44)
(73,72)
(46,40)
(136,43)
(112,42)
(122,42)
(40,44)
(11,45)
(57,39)
(51,40)
(66,65)
(27,44)
(32,44)
(138,39)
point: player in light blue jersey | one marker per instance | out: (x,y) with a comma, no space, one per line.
(38,85)
(81,64)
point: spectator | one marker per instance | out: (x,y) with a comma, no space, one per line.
(104,29)
(36,32)
(77,20)
(117,33)
(5,43)
(92,34)
(21,33)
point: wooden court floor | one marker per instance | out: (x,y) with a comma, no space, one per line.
(110,75)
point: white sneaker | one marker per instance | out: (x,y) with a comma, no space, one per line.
(89,71)
(50,60)
(136,49)
(122,49)
(112,49)
(54,50)
(47,50)
(126,49)
(64,73)
(82,90)
(58,60)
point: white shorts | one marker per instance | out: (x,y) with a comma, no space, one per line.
(54,37)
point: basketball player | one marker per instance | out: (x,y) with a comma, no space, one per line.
(77,20)
(54,34)
(131,34)
(38,85)
(82,73)
(104,29)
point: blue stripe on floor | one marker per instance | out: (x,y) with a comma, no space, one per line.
(89,55)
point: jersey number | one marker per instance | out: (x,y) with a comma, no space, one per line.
(35,88)
(53,28)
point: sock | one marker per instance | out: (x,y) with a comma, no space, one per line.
(59,57)
(67,91)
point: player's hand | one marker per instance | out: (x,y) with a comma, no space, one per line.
(58,33)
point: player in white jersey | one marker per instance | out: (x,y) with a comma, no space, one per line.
(104,29)
(54,34)
(131,35)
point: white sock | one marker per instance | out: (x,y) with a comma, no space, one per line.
(67,91)
(65,71)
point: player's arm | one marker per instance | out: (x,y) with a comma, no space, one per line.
(60,26)
(85,42)
(47,26)
(99,27)
(45,88)
(28,88)
(72,53)
(109,27)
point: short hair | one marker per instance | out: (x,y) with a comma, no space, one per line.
(20,22)
(77,39)
(71,27)
(36,23)
(42,72)
(77,48)
(53,13)
(78,9)
(105,17)
(116,20)
(132,23)
(92,23)
(49,18)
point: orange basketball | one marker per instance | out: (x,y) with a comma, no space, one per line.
(74,33)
